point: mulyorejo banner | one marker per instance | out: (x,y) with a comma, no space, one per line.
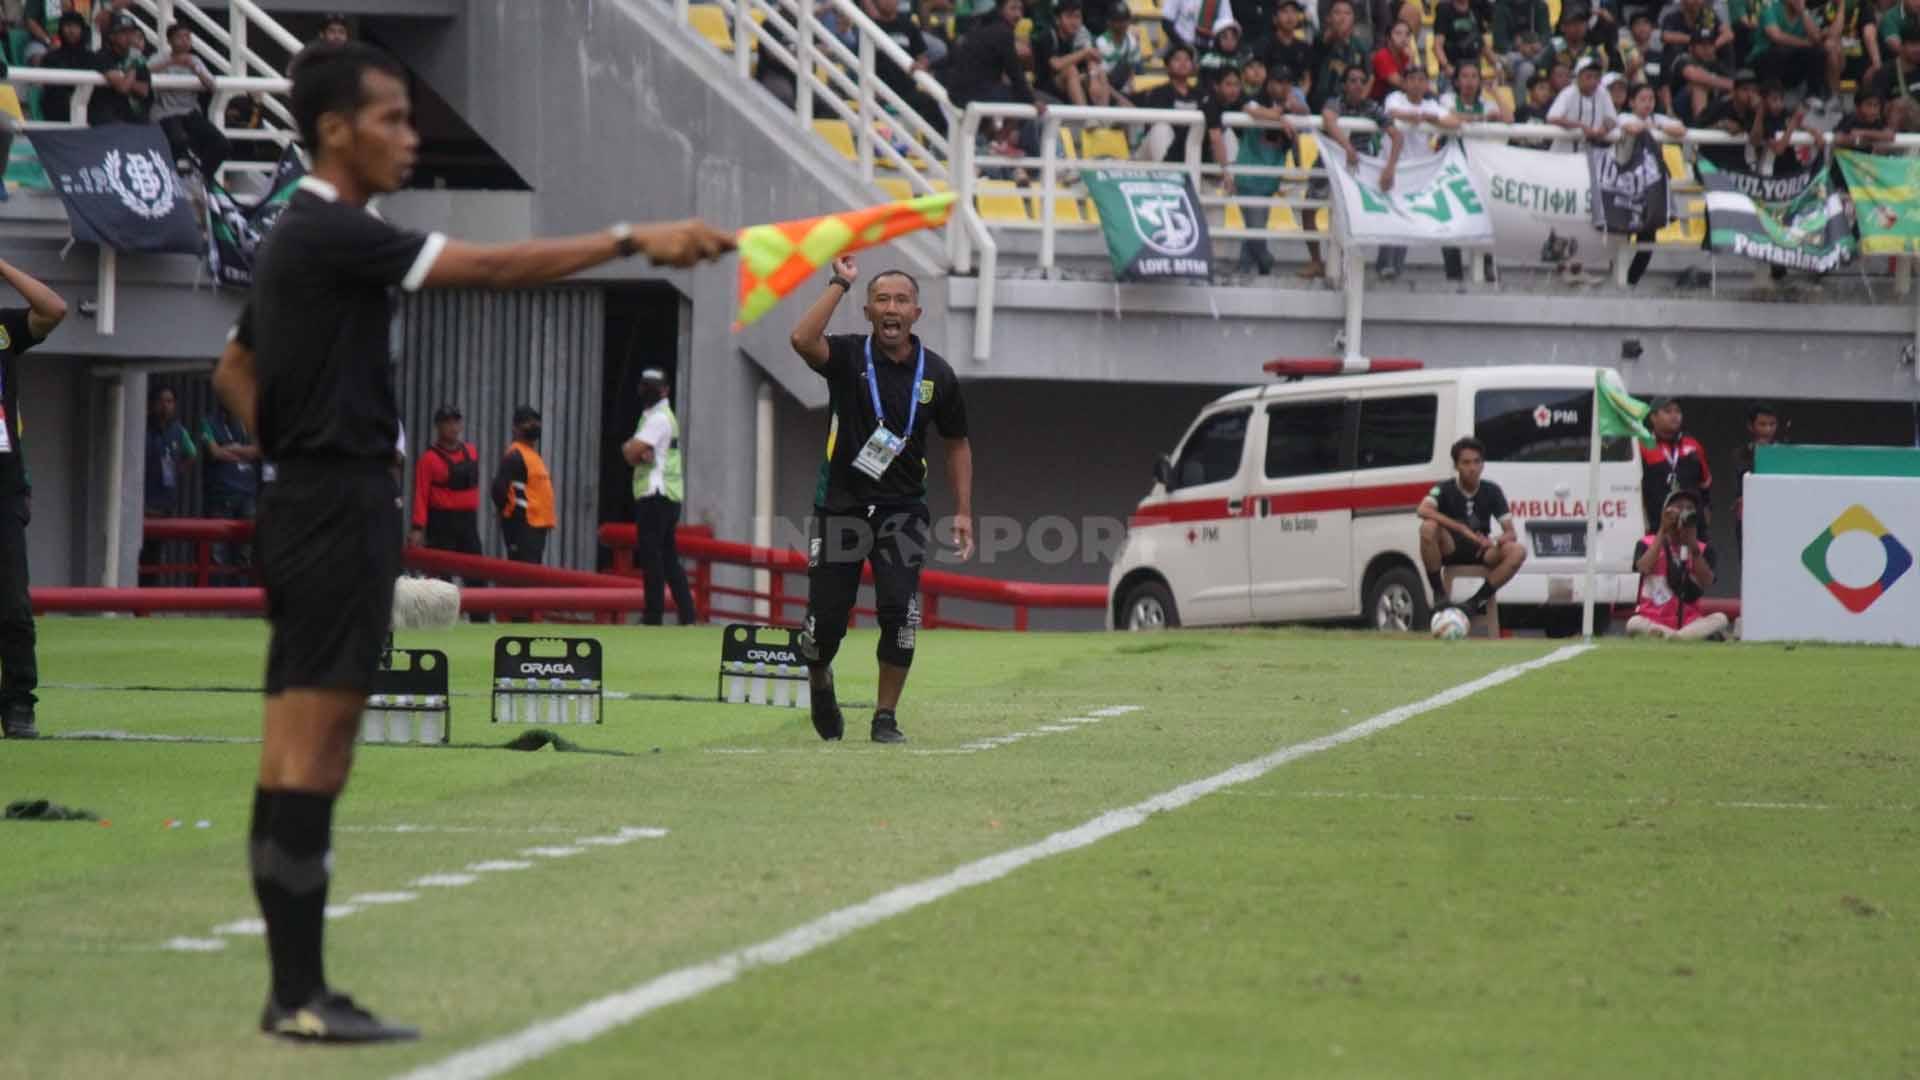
(1153,224)
(1886,201)
(234,231)
(1541,203)
(1629,182)
(120,188)
(1798,221)
(1433,201)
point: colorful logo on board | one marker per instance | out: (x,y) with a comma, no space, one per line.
(1857,518)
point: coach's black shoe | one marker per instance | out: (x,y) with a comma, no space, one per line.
(1475,607)
(17,723)
(826,715)
(886,729)
(330,1018)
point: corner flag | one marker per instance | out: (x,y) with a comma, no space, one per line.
(1619,414)
(776,258)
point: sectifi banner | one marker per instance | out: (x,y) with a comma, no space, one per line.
(1541,203)
(1799,222)
(1153,224)
(1433,201)
(1886,201)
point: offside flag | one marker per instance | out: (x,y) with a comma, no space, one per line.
(119,185)
(776,258)
(1619,414)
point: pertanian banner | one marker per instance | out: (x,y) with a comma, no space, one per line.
(1799,221)
(1541,203)
(1433,201)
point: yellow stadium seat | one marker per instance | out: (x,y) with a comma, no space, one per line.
(1066,211)
(838,135)
(1309,151)
(1234,219)
(895,187)
(999,200)
(710,20)
(1676,160)
(1105,143)
(1143,83)
(1145,9)
(1504,94)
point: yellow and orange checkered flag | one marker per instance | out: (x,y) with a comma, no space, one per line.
(776,258)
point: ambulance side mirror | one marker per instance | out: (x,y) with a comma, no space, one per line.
(1163,471)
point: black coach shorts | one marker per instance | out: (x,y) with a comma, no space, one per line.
(328,538)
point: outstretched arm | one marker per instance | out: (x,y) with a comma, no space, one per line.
(45,309)
(537,262)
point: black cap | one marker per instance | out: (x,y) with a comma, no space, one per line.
(524,413)
(1573,13)
(1683,493)
(1061,7)
(1745,75)
(448,411)
(1660,401)
(1121,11)
(122,21)
(1705,36)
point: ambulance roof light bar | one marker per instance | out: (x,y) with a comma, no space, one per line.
(1293,368)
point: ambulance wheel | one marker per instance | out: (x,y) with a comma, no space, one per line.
(1148,606)
(1397,602)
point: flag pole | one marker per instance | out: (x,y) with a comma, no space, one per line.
(1593,515)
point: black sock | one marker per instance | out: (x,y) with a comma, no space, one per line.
(292,831)
(1439,586)
(883,718)
(1485,594)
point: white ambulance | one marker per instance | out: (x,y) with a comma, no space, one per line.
(1295,501)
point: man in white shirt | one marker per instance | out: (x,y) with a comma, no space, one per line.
(1583,107)
(1182,18)
(1410,108)
(658,489)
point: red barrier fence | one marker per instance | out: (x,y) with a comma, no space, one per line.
(697,545)
(547,589)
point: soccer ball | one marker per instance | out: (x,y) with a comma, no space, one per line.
(1449,624)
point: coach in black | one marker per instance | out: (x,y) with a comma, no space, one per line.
(884,389)
(306,369)
(20,329)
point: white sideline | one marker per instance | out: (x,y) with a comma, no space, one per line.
(600,1016)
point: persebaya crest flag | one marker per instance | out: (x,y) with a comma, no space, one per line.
(119,185)
(1434,200)
(1152,222)
(234,231)
(776,258)
(1619,414)
(1886,201)
(1799,222)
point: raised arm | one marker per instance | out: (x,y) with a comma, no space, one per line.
(538,262)
(809,337)
(45,309)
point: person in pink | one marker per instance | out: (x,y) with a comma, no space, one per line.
(1676,568)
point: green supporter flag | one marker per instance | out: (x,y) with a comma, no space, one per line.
(1153,224)
(1886,201)
(1798,221)
(1620,414)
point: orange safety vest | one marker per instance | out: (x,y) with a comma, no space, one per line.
(536,495)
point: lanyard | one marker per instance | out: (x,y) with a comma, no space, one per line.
(913,398)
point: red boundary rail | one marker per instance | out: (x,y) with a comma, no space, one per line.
(537,589)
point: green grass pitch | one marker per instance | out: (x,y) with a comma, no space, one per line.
(1678,861)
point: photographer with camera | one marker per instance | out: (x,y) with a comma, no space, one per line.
(1676,568)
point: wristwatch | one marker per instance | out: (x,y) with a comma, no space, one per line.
(846,284)
(623,241)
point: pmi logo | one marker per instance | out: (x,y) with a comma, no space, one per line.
(1857,518)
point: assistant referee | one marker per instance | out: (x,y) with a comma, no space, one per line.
(306,368)
(884,388)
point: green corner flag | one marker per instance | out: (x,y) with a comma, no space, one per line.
(1619,413)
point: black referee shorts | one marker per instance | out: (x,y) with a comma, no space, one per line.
(328,538)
